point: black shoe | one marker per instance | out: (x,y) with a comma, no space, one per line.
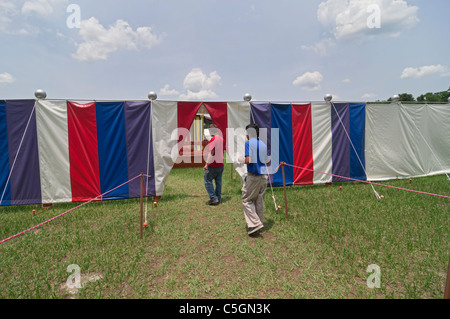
(212,202)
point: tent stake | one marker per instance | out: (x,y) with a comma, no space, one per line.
(284,188)
(142,200)
(447,286)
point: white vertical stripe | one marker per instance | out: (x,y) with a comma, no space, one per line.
(322,141)
(238,117)
(164,124)
(53,144)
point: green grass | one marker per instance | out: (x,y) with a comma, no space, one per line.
(191,250)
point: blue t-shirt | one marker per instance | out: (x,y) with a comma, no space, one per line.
(257,151)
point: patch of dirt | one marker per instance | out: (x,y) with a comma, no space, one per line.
(71,288)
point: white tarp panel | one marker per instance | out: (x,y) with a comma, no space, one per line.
(407,140)
(238,117)
(322,142)
(53,143)
(164,124)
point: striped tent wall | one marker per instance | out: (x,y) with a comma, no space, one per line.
(322,141)
(64,151)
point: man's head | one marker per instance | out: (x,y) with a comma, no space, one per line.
(252,130)
(213,129)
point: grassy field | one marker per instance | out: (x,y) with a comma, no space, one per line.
(191,250)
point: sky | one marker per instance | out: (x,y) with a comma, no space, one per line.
(208,50)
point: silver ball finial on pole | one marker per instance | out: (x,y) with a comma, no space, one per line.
(247,97)
(152,95)
(395,98)
(328,97)
(40,94)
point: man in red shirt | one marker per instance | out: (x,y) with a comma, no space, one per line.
(214,166)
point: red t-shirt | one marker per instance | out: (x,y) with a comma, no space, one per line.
(215,146)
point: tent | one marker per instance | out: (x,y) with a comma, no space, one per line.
(62,151)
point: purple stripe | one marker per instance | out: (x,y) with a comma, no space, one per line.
(25,178)
(137,126)
(261,115)
(340,141)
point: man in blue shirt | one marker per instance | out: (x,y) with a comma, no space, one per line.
(255,183)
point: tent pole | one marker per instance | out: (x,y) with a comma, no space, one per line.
(142,200)
(284,188)
(447,286)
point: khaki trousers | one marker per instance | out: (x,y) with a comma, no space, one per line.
(253,191)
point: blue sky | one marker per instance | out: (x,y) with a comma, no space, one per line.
(282,50)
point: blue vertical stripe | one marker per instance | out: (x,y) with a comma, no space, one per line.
(357,127)
(139,146)
(5,188)
(260,115)
(112,151)
(282,119)
(340,129)
(25,180)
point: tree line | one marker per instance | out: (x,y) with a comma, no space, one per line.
(427,97)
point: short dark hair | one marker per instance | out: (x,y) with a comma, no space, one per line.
(252,129)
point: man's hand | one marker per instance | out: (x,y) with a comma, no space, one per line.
(245,160)
(205,168)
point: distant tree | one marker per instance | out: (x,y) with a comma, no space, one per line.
(404,97)
(434,97)
(427,97)
(444,95)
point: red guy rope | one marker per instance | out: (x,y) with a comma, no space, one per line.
(367,182)
(70,210)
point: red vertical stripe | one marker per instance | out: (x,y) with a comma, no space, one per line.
(302,143)
(186,114)
(83,151)
(219,116)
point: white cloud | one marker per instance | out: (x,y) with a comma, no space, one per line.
(99,41)
(346,81)
(419,72)
(321,47)
(200,85)
(6,78)
(14,14)
(41,7)
(352,19)
(200,95)
(369,96)
(309,81)
(167,91)
(7,13)
(146,38)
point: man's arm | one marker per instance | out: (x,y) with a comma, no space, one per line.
(245,160)
(211,152)
(208,160)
